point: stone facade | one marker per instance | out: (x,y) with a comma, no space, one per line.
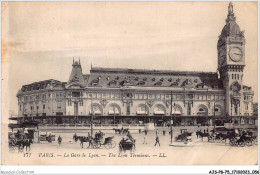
(113,95)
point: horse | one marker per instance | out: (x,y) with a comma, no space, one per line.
(121,131)
(201,134)
(83,139)
(24,143)
(76,138)
(117,130)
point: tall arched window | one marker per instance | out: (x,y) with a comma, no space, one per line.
(159,110)
(202,110)
(142,110)
(176,110)
(114,110)
(96,109)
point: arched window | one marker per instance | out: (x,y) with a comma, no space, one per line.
(202,110)
(96,109)
(176,110)
(217,111)
(114,110)
(159,110)
(142,110)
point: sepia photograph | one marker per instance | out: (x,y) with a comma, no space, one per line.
(129,83)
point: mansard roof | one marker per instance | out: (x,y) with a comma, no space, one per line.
(40,85)
(118,77)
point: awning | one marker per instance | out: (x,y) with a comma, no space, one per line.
(159,112)
(141,112)
(176,112)
(96,112)
(111,112)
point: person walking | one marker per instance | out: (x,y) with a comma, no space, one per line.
(157,132)
(157,140)
(144,140)
(145,132)
(163,132)
(197,133)
(59,140)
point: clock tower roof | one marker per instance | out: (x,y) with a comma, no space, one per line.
(231,28)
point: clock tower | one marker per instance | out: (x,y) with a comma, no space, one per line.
(231,62)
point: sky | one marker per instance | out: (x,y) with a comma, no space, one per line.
(40,39)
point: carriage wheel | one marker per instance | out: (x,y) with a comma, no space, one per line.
(11,149)
(113,144)
(20,149)
(97,144)
(242,143)
(253,142)
(108,145)
(120,147)
(248,143)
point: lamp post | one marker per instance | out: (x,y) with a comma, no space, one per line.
(91,121)
(214,117)
(171,117)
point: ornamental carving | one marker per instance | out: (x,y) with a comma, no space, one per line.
(167,103)
(75,78)
(104,102)
(150,103)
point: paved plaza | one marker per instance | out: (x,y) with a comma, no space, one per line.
(198,151)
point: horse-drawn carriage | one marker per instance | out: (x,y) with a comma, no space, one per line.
(97,141)
(18,142)
(121,131)
(184,136)
(47,136)
(126,144)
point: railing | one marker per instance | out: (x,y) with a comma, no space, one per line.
(95,125)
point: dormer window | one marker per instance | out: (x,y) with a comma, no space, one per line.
(153,79)
(175,84)
(195,81)
(117,78)
(161,79)
(113,82)
(159,83)
(108,78)
(94,82)
(99,77)
(141,83)
(136,78)
(144,79)
(170,80)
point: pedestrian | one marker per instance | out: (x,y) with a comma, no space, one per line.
(163,132)
(139,131)
(145,132)
(207,130)
(59,140)
(204,131)
(197,133)
(157,140)
(144,140)
(157,132)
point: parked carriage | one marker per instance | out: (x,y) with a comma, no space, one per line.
(184,136)
(47,136)
(126,144)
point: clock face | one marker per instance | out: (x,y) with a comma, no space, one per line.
(235,54)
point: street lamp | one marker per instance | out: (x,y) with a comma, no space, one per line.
(171,117)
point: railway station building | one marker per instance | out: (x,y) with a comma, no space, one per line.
(135,96)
